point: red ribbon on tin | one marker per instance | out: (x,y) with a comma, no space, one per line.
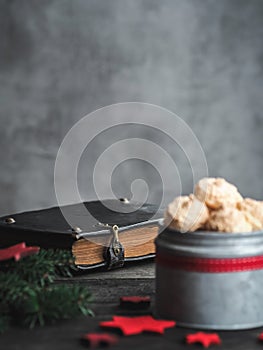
(211,265)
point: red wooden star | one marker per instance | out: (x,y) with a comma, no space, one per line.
(206,339)
(135,299)
(136,325)
(260,337)
(97,339)
(17,251)
(135,302)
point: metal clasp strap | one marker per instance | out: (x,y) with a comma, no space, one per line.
(114,253)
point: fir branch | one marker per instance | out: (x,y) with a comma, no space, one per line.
(12,288)
(44,267)
(28,295)
(51,304)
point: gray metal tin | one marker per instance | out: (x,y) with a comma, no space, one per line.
(226,301)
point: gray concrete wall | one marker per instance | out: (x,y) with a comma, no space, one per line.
(61,59)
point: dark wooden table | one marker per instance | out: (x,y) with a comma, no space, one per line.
(107,287)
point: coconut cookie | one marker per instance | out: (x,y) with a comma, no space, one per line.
(216,192)
(253,211)
(186,213)
(228,219)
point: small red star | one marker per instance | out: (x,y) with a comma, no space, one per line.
(136,325)
(97,339)
(17,251)
(260,337)
(206,339)
(135,302)
(134,299)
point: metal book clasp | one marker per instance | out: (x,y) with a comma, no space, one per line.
(114,253)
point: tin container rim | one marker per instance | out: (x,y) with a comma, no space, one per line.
(215,234)
(211,243)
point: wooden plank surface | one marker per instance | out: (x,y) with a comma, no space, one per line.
(107,287)
(66,336)
(143,269)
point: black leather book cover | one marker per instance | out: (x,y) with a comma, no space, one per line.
(48,228)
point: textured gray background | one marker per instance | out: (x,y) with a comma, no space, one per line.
(61,59)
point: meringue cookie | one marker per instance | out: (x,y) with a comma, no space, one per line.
(253,211)
(186,213)
(228,219)
(216,192)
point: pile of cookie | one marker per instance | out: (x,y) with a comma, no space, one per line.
(216,205)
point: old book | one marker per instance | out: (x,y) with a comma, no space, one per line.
(115,232)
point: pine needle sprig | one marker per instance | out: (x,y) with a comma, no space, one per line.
(56,302)
(44,267)
(12,288)
(29,296)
